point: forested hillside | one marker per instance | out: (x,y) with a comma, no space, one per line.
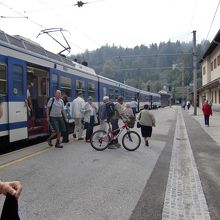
(145,67)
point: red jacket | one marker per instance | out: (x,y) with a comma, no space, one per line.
(207,109)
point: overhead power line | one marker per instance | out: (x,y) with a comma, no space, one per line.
(213,19)
(153,68)
(154,55)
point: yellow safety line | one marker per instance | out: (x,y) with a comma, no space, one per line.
(13,152)
(24,158)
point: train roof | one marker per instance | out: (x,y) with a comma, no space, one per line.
(23,44)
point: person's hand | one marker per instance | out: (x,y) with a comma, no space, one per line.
(14,188)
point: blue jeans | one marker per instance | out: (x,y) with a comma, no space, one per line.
(89,127)
(114,123)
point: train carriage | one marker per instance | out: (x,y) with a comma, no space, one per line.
(27,69)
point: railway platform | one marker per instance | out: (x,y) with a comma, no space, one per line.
(176,177)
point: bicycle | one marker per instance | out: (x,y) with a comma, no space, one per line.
(101,139)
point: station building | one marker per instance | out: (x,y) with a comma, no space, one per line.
(210,64)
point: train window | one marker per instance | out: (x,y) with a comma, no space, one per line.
(3,79)
(116,94)
(54,83)
(105,91)
(80,86)
(123,93)
(17,76)
(111,94)
(91,90)
(66,88)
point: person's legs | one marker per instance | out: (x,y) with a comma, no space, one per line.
(115,126)
(92,121)
(87,126)
(208,120)
(65,134)
(102,125)
(81,126)
(76,127)
(56,125)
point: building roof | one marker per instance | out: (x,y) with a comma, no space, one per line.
(215,42)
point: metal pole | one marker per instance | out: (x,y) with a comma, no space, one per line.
(194,73)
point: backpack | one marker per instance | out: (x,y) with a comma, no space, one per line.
(51,106)
(110,110)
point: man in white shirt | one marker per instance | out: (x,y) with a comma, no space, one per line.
(77,106)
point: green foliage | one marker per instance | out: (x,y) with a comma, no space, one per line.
(144,65)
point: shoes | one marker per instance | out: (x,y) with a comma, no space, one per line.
(87,141)
(146,143)
(114,146)
(111,146)
(49,142)
(79,139)
(57,145)
(74,135)
(117,145)
(65,141)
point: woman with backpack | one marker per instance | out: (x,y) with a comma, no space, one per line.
(146,121)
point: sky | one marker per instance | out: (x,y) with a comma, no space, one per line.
(125,23)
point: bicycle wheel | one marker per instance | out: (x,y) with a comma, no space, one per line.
(131,140)
(100,140)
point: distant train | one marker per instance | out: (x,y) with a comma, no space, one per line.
(25,65)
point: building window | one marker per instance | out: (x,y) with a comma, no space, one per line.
(219,96)
(91,90)
(211,66)
(3,79)
(218,60)
(214,63)
(203,70)
(215,96)
(65,86)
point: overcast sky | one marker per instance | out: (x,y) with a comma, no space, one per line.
(125,23)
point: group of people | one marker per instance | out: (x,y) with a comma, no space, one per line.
(84,113)
(186,104)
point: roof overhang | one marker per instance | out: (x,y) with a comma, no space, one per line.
(215,42)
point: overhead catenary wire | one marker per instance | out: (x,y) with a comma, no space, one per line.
(33,21)
(66,20)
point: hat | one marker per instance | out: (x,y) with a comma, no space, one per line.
(105,98)
(80,93)
(90,98)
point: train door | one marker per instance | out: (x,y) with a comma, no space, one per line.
(17,94)
(37,97)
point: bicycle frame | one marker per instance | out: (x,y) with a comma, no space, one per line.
(120,129)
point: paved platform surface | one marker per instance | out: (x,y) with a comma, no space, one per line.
(177,177)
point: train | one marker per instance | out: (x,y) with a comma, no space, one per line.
(24,65)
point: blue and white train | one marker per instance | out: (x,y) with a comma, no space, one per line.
(24,65)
